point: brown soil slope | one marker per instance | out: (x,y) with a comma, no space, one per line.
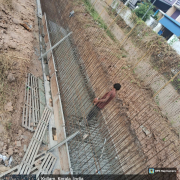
(19,55)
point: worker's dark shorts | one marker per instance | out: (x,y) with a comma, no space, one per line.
(93,113)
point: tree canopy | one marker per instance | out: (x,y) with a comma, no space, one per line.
(141,10)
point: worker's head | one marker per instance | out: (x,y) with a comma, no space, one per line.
(117,86)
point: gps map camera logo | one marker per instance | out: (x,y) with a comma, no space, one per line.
(151,171)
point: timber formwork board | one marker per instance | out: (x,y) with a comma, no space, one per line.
(34,102)
(47,164)
(31,153)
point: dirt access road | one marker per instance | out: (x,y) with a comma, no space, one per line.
(19,44)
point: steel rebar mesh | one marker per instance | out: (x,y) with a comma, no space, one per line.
(134,132)
(77,102)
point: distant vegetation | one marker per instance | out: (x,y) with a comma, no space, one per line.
(143,9)
(97,18)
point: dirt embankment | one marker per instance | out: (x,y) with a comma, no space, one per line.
(18,56)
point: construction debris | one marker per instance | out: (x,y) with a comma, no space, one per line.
(34,102)
(145,130)
(48,79)
(27,163)
(26,26)
(71,14)
(10,161)
(47,165)
(50,102)
(39,157)
(6,159)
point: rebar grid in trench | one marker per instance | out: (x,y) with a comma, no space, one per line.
(79,85)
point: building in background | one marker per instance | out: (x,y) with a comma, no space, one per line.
(133,3)
(168,25)
(163,5)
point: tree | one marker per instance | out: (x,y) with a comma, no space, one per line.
(141,10)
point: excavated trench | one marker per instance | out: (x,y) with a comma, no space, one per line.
(110,146)
(116,142)
(73,76)
(91,154)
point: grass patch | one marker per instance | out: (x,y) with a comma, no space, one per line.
(87,25)
(123,56)
(118,56)
(8,126)
(97,18)
(124,67)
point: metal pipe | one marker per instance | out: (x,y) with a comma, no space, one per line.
(63,142)
(55,45)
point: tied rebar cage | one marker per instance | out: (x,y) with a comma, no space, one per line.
(120,139)
(92,154)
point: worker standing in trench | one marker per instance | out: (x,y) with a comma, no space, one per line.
(101,103)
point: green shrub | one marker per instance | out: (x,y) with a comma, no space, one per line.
(98,19)
(143,9)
